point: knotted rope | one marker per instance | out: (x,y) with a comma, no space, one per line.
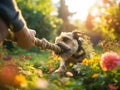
(44,44)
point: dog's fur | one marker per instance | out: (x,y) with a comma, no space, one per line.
(74,52)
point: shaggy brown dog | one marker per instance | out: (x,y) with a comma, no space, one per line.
(74,53)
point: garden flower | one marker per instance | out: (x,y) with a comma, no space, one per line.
(55,57)
(7,74)
(90,61)
(29,57)
(105,47)
(41,84)
(7,58)
(112,87)
(84,61)
(95,75)
(51,70)
(39,72)
(69,74)
(109,61)
(20,80)
(22,57)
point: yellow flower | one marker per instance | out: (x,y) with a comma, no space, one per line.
(95,75)
(55,57)
(96,59)
(20,80)
(84,61)
(50,61)
(90,61)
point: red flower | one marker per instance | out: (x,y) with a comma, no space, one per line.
(22,57)
(7,58)
(105,47)
(109,61)
(29,57)
(112,87)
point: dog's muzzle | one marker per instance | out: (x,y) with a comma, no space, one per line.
(64,48)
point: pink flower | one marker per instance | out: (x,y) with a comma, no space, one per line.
(41,84)
(7,58)
(69,74)
(51,70)
(112,87)
(109,61)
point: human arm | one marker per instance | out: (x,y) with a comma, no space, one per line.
(13,18)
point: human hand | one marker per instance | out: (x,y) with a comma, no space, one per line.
(25,38)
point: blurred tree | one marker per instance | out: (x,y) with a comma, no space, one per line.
(102,19)
(111,21)
(64,14)
(89,23)
(38,15)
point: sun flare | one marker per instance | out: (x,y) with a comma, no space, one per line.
(81,7)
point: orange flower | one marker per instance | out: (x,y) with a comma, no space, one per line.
(84,61)
(95,75)
(112,87)
(109,61)
(20,80)
(7,74)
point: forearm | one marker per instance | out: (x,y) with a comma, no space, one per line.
(10,13)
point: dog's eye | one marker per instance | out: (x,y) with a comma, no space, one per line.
(65,39)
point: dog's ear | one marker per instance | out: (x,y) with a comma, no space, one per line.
(77,34)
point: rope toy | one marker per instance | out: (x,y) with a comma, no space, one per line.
(44,44)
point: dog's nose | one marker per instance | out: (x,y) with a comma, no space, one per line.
(64,47)
(69,49)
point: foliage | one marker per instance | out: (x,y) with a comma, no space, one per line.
(111,21)
(39,17)
(110,45)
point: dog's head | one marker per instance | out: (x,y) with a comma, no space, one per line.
(70,42)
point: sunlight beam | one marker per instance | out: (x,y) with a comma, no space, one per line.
(81,7)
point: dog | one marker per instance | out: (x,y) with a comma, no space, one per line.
(73,52)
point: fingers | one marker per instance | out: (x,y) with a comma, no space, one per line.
(26,38)
(33,32)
